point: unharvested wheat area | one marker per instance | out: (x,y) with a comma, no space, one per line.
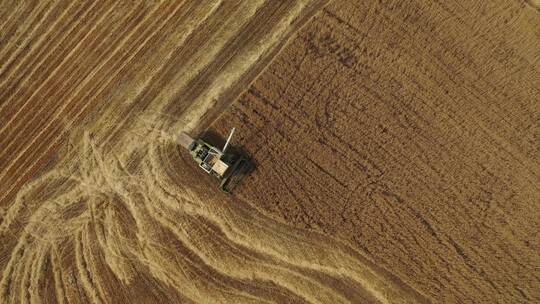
(396,147)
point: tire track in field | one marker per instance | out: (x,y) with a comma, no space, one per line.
(408,130)
(114,215)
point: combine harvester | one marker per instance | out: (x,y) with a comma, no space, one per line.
(229,167)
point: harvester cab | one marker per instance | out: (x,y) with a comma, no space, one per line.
(228,167)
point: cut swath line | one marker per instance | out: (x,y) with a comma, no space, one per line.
(46,141)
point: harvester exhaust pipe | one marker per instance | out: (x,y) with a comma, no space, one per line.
(228,141)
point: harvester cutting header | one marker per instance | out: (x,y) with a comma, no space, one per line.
(229,167)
